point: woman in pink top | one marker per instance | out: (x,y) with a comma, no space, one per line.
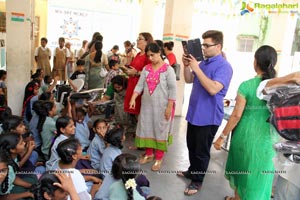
(158,85)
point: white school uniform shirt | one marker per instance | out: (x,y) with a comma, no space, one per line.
(79,183)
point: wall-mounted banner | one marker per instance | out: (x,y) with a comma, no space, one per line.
(76,25)
(172,37)
(17,17)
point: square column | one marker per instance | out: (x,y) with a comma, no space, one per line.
(178,27)
(18,40)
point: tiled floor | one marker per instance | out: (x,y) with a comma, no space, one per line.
(168,186)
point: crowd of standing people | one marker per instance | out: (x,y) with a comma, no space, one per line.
(66,153)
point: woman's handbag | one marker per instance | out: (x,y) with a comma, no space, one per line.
(176,68)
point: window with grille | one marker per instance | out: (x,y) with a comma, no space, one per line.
(246,43)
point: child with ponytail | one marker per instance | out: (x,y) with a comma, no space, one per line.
(125,187)
(70,152)
(114,138)
(117,174)
(28,159)
(56,186)
(46,126)
(12,187)
(65,129)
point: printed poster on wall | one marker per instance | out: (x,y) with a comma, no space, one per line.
(78,25)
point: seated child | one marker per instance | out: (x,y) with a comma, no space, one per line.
(78,74)
(47,86)
(81,119)
(70,152)
(5,112)
(114,71)
(114,138)
(28,160)
(33,124)
(126,186)
(65,129)
(103,192)
(46,126)
(13,187)
(97,145)
(56,186)
(31,91)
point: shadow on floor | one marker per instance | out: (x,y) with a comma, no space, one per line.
(168,186)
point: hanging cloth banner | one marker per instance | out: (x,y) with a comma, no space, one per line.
(17,17)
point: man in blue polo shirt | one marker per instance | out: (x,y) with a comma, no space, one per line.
(210,79)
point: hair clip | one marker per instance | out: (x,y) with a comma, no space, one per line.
(130,183)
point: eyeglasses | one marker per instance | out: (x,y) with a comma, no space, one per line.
(138,39)
(208,45)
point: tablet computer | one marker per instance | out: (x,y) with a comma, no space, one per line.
(193,47)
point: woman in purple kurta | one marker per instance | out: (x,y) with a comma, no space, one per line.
(158,84)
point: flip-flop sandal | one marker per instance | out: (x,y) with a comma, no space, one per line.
(185,174)
(193,186)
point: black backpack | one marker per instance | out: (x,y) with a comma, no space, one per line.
(285,112)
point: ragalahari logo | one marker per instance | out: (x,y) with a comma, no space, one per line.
(246,8)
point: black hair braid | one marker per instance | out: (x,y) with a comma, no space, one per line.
(40,124)
(4,185)
(98,56)
(38,195)
(129,191)
(35,189)
(43,112)
(98,47)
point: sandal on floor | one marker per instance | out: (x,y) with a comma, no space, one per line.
(156,166)
(228,198)
(145,159)
(185,174)
(193,188)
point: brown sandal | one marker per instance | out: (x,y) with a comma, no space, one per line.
(193,188)
(145,159)
(156,166)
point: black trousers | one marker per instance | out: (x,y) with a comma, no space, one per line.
(199,140)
